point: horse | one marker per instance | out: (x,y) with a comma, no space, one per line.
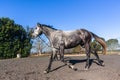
(60,40)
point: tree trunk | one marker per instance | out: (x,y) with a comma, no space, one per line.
(39,52)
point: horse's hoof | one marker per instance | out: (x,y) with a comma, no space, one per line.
(86,69)
(75,69)
(72,67)
(103,64)
(45,72)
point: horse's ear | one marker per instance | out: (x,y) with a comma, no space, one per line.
(38,24)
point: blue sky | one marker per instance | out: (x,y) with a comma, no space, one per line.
(99,16)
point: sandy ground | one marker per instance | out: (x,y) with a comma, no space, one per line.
(32,69)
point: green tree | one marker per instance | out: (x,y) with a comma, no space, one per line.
(112,44)
(14,39)
(95,46)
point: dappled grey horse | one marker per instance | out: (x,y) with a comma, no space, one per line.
(60,40)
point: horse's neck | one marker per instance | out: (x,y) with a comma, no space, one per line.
(48,31)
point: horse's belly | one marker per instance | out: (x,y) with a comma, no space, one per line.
(72,44)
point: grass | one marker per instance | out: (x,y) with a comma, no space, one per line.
(74,54)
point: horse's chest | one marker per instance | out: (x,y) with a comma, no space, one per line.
(56,40)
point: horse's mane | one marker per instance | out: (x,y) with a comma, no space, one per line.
(49,26)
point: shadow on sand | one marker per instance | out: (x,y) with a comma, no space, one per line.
(76,61)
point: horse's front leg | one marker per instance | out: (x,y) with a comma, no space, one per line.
(57,55)
(62,58)
(49,65)
(50,61)
(61,52)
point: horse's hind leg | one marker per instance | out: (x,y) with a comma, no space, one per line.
(87,48)
(97,57)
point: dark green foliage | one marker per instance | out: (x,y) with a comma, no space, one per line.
(13,39)
(95,46)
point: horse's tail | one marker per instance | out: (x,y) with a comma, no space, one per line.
(101,41)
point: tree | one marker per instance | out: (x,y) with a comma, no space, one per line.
(95,46)
(112,44)
(14,39)
(78,49)
(39,46)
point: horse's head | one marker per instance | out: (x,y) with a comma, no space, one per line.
(37,31)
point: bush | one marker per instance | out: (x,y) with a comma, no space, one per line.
(13,39)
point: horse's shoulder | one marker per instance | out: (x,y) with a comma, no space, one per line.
(56,33)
